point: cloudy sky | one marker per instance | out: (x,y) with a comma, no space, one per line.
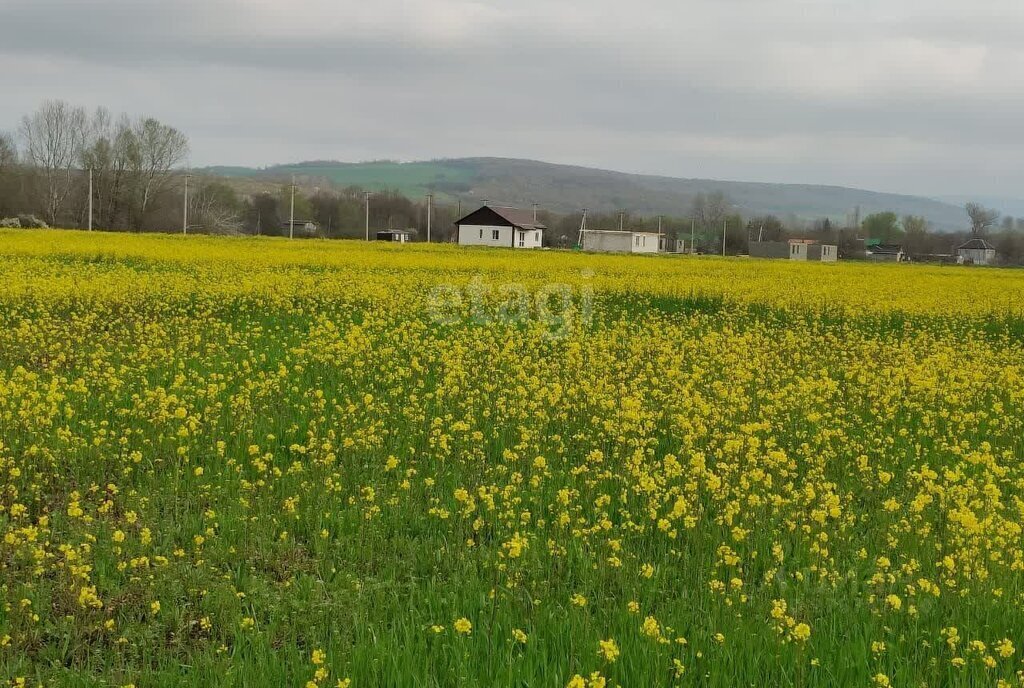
(896,95)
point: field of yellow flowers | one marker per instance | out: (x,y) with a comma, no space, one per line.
(254,462)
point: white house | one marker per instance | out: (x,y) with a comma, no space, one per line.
(976,251)
(621,241)
(498,226)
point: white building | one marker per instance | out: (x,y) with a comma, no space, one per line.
(795,249)
(976,251)
(401,236)
(621,241)
(498,226)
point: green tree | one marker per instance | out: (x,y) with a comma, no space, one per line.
(882,226)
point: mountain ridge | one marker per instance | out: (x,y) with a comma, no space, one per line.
(566,188)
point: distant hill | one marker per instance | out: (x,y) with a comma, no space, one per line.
(567,188)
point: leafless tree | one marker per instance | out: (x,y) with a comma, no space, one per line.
(708,210)
(982,218)
(9,177)
(915,234)
(106,152)
(215,208)
(153,151)
(53,137)
(8,151)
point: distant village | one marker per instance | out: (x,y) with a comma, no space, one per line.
(508,227)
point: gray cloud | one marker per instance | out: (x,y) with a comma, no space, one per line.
(904,96)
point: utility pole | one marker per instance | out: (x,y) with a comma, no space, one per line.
(291,216)
(90,199)
(430,207)
(583,228)
(535,213)
(367,196)
(621,215)
(725,224)
(184,222)
(692,222)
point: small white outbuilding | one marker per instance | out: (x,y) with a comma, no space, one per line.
(621,241)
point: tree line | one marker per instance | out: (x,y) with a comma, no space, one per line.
(45,168)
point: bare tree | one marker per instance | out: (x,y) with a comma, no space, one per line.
(53,138)
(982,218)
(215,207)
(9,177)
(708,210)
(153,151)
(8,151)
(107,149)
(915,234)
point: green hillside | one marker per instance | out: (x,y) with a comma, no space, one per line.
(566,188)
(411,179)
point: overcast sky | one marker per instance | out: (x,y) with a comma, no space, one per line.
(895,95)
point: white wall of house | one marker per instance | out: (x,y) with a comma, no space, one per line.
(797,251)
(493,235)
(615,242)
(645,242)
(826,253)
(528,238)
(620,242)
(485,235)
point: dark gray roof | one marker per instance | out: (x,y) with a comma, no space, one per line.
(976,243)
(517,217)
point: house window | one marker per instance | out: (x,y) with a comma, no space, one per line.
(522,239)
(494,234)
(481,233)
